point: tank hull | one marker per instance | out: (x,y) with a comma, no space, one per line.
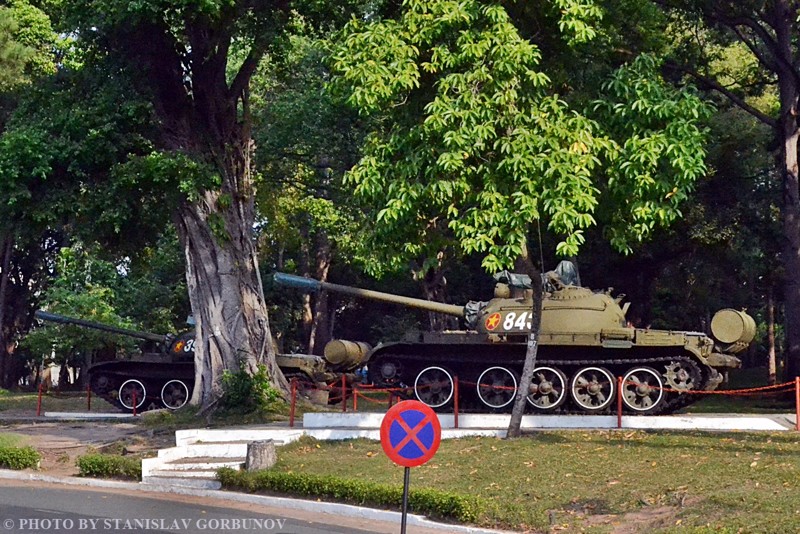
(153,383)
(575,373)
(118,382)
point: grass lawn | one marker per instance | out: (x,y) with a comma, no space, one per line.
(575,480)
(8,439)
(52,401)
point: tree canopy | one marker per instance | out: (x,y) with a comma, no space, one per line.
(423,136)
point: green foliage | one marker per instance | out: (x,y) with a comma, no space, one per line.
(145,292)
(578,18)
(85,288)
(109,466)
(305,139)
(429,502)
(19,457)
(13,55)
(28,44)
(470,142)
(473,143)
(244,391)
(660,153)
(57,151)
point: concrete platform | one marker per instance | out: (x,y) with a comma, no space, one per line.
(357,422)
(87,416)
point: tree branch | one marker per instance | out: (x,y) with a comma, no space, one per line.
(242,78)
(777,62)
(730,95)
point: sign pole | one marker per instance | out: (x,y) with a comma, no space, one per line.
(410,436)
(406,480)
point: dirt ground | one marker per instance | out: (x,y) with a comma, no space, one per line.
(62,442)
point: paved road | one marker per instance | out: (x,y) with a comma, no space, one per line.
(36,507)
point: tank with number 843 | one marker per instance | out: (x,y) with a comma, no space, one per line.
(585,343)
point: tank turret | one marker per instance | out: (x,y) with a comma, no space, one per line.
(585,343)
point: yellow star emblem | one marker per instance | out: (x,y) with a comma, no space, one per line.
(493,321)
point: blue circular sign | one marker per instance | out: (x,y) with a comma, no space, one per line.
(410,433)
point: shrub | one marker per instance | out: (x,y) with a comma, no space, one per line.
(428,502)
(249,391)
(19,457)
(110,466)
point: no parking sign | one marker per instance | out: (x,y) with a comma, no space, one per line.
(410,433)
(410,436)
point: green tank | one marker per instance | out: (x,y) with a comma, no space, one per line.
(163,377)
(585,344)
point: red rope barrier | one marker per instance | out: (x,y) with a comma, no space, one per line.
(402,392)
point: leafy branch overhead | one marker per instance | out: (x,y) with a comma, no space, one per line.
(472,141)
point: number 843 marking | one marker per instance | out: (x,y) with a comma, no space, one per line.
(514,321)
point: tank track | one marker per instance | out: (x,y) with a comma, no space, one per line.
(673,402)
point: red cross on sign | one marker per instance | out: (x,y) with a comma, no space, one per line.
(410,433)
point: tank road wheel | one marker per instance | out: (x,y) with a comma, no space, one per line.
(174,394)
(434,387)
(682,375)
(593,388)
(386,372)
(548,388)
(497,387)
(102,384)
(127,391)
(642,390)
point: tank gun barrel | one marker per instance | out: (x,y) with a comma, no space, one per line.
(312,286)
(63,319)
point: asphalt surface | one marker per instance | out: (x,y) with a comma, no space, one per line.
(34,507)
(25,495)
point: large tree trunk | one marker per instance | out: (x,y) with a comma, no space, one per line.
(223,279)
(202,103)
(791,190)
